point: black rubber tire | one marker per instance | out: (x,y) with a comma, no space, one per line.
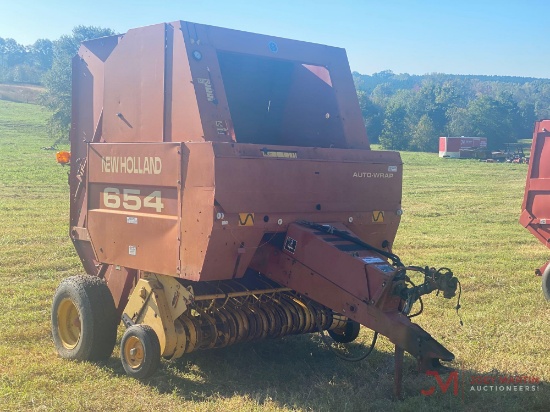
(349,334)
(97,318)
(151,351)
(546,283)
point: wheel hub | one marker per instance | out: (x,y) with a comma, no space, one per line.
(69,324)
(134,353)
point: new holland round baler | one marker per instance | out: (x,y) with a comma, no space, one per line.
(222,190)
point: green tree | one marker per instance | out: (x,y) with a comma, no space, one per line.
(394,131)
(494,119)
(41,54)
(459,122)
(12,54)
(58,79)
(24,64)
(425,137)
(373,116)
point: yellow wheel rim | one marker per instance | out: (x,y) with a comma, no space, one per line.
(69,324)
(133,352)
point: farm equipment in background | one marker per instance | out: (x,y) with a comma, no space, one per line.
(535,215)
(476,148)
(463,147)
(222,190)
(515,153)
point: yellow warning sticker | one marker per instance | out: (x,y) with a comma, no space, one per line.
(378,216)
(246,219)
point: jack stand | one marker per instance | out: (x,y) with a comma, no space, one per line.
(398,373)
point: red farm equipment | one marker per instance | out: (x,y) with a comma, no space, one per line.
(535,214)
(222,190)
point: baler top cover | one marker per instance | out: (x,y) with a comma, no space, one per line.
(186,82)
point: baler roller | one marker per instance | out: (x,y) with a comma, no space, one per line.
(273,313)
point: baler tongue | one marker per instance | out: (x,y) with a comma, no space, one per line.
(328,264)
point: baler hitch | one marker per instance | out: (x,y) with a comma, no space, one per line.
(440,280)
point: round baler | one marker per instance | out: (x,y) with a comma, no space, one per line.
(223,190)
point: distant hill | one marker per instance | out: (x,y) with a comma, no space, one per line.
(368,83)
(21,93)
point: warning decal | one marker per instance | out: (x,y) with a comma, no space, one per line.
(290,244)
(246,219)
(378,216)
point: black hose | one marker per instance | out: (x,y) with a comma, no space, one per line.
(338,354)
(343,235)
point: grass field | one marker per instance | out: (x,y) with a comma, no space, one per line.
(460,214)
(20,93)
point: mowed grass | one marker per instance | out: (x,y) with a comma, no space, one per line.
(21,93)
(460,214)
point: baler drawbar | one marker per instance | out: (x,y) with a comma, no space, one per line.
(223,190)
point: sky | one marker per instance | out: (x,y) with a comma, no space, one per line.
(483,37)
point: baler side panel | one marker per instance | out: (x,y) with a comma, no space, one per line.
(235,194)
(536,202)
(197,206)
(133,105)
(133,205)
(209,89)
(185,119)
(309,186)
(87,106)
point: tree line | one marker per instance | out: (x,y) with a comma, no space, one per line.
(48,63)
(25,64)
(401,111)
(409,112)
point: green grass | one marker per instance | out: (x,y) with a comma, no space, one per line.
(458,213)
(21,93)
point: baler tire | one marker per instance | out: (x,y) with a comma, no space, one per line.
(546,283)
(348,334)
(145,359)
(84,319)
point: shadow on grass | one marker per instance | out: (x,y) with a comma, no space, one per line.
(300,372)
(294,372)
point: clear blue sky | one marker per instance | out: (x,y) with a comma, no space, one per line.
(506,37)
